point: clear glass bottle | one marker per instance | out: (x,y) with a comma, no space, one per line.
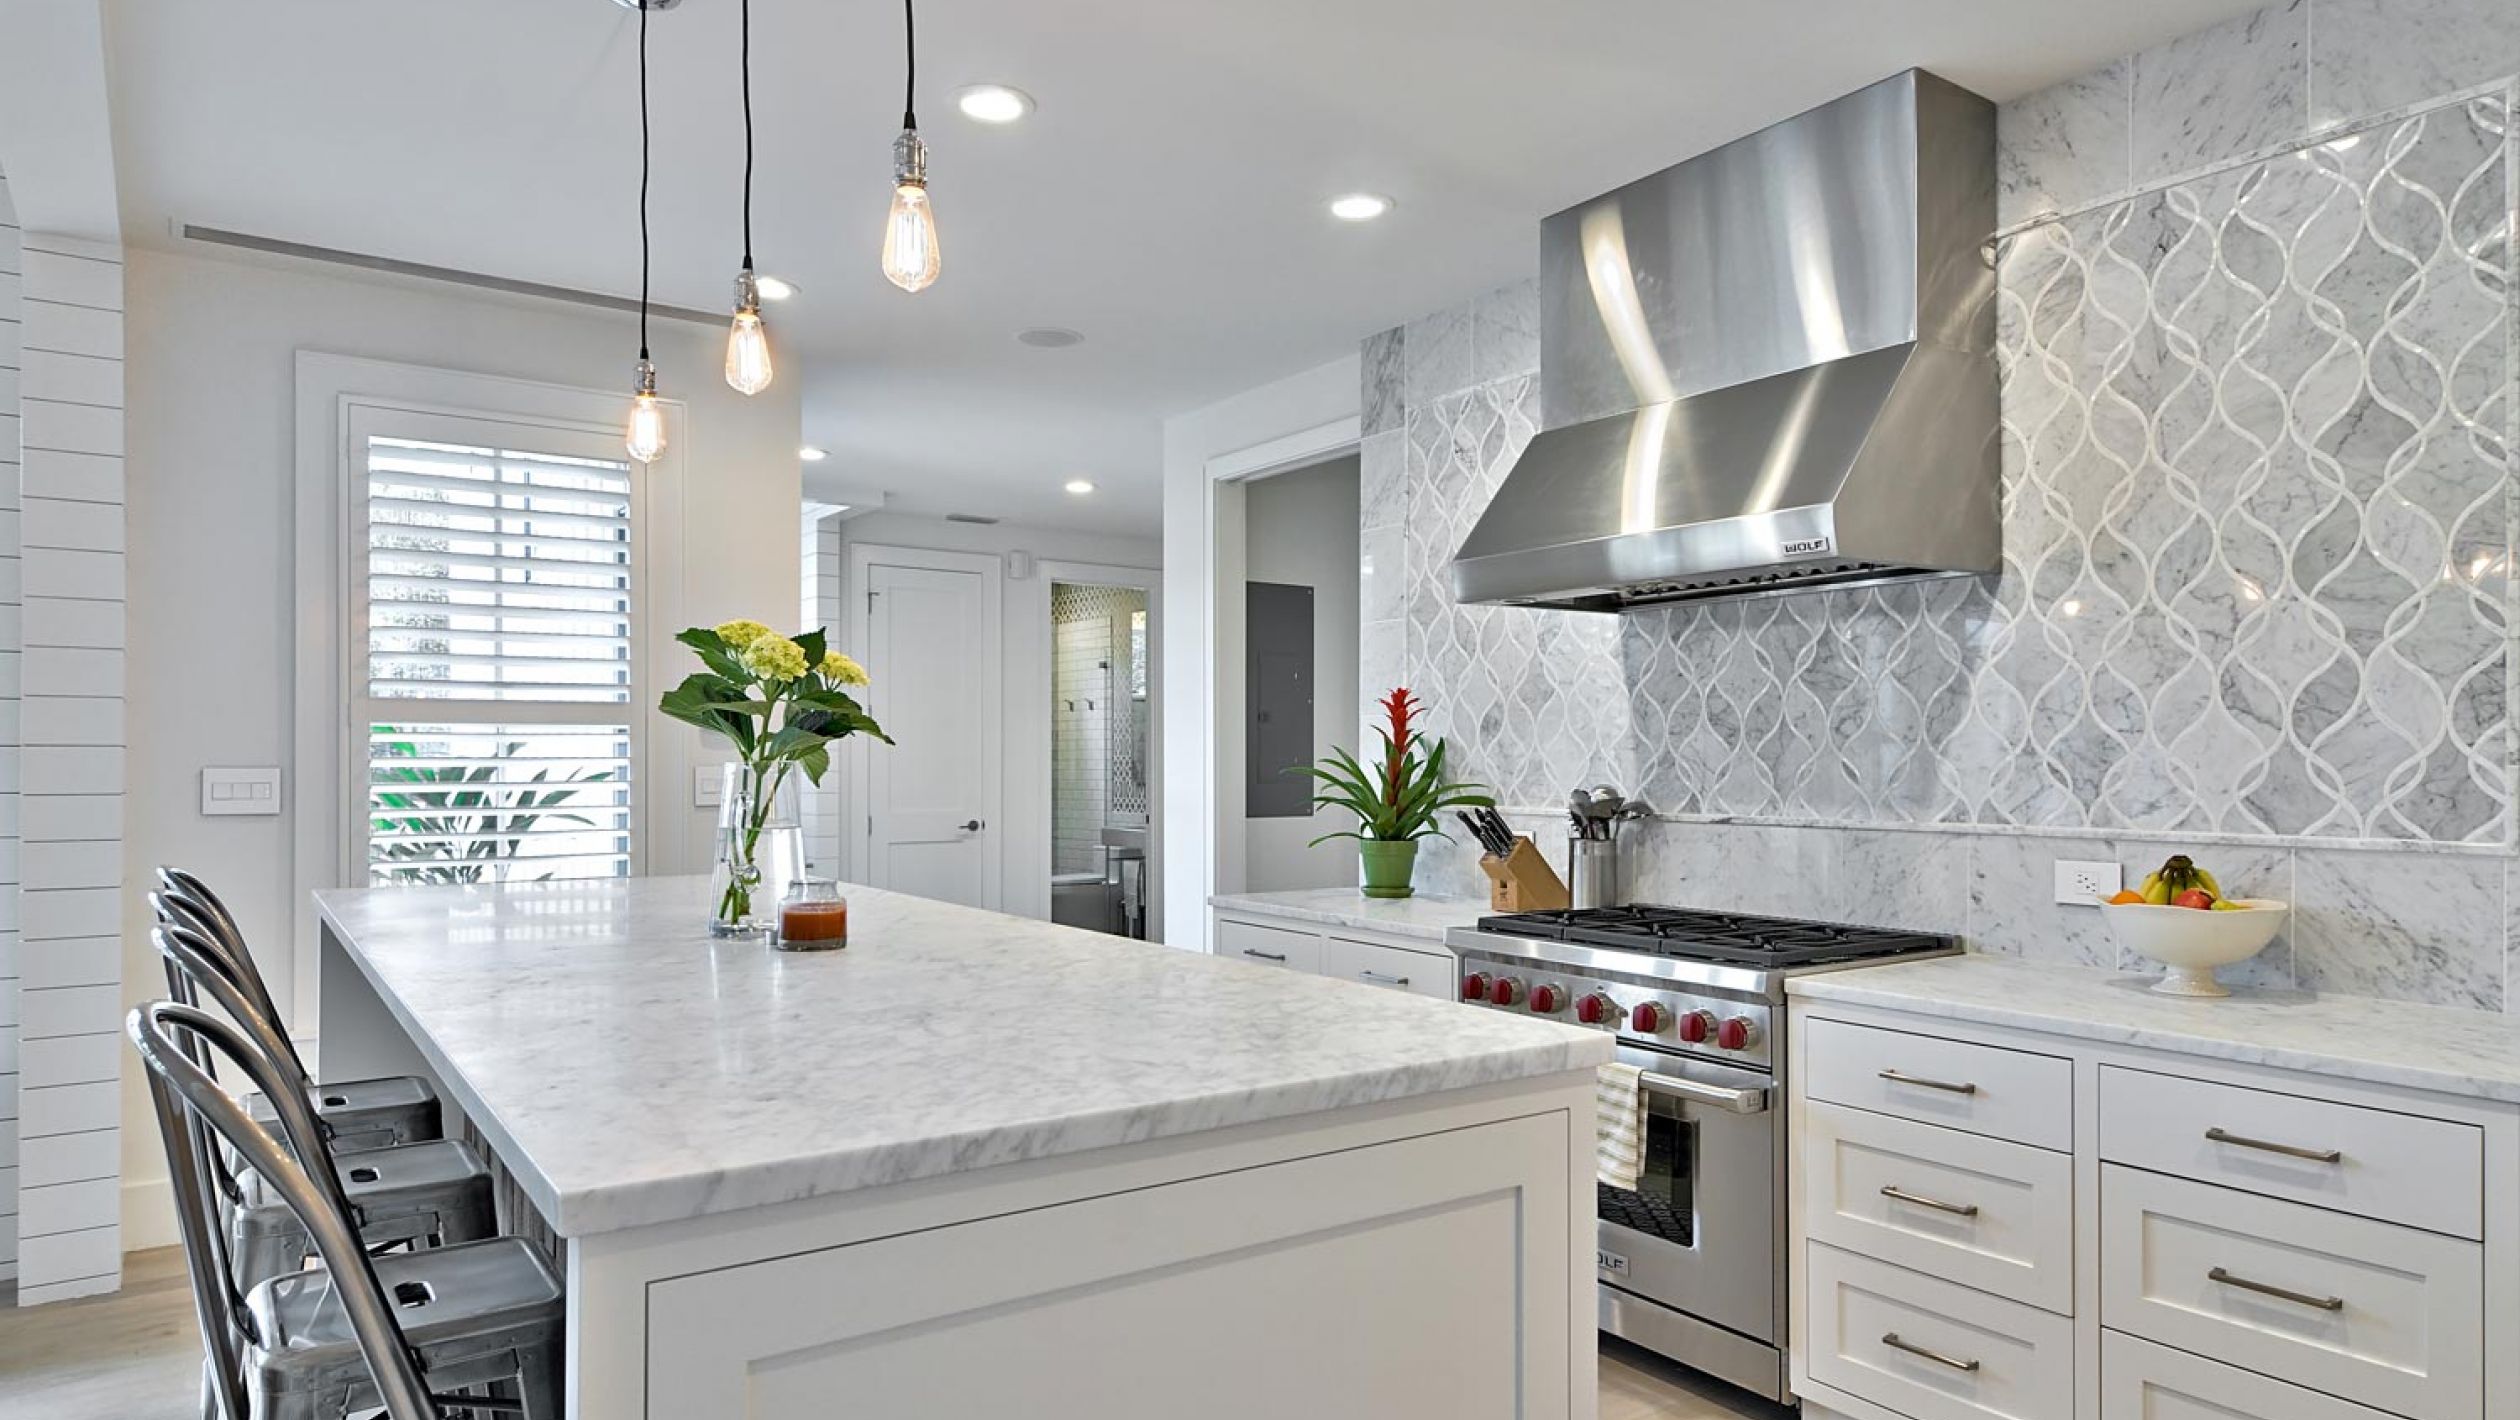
(760,850)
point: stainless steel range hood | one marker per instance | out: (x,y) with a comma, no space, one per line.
(1768,368)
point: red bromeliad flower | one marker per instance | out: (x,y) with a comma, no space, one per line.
(1401,708)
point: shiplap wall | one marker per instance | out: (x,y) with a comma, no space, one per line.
(10,660)
(70,531)
(820,606)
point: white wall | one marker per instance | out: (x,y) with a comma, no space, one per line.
(1300,529)
(1026,621)
(1293,421)
(210,429)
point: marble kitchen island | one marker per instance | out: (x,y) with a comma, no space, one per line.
(976,1165)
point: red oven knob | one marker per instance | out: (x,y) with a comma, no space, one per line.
(1650,1016)
(1547,1000)
(1474,987)
(1696,1026)
(1505,991)
(1736,1033)
(1597,1008)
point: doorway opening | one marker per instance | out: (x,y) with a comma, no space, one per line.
(1100,723)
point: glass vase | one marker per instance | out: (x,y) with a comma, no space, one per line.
(760,849)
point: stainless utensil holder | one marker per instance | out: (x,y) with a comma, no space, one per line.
(1592,872)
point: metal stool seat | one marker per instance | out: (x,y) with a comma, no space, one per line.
(473,1314)
(365,1114)
(361,1332)
(433,1194)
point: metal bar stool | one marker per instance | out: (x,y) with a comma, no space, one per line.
(364,1114)
(421,1195)
(359,1332)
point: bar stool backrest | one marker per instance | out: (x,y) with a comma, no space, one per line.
(182,1088)
(182,893)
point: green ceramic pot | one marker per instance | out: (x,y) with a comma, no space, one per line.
(1388,867)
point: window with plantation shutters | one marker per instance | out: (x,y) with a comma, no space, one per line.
(495,703)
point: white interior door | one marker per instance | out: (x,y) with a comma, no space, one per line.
(934,797)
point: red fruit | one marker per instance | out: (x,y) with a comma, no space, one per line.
(2193,897)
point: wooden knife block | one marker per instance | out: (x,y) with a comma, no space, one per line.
(1523,881)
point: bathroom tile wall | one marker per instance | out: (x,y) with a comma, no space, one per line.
(2259,414)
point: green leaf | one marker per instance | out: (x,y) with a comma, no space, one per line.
(815,643)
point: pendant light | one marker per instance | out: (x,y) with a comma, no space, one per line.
(647,416)
(747,344)
(911,259)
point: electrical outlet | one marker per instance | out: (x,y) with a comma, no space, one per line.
(708,786)
(2084,884)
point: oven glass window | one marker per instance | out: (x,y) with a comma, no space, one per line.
(1663,1204)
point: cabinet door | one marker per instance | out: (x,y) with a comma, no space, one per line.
(1426,1277)
(2141,1381)
(1926,1348)
(1268,946)
(1994,1215)
(1398,968)
(1960,1084)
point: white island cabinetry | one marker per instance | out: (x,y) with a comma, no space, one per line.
(975,1166)
(2044,1193)
(1394,943)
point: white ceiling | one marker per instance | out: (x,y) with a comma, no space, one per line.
(1166,199)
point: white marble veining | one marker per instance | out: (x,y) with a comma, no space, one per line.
(634,1072)
(1382,375)
(2411,929)
(2470,1053)
(1426,916)
(2064,146)
(2239,87)
(2369,56)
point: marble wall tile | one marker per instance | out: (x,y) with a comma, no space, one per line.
(2410,927)
(1439,353)
(2065,146)
(2013,907)
(2511,936)
(1381,657)
(1381,575)
(2371,56)
(1382,477)
(1506,330)
(2236,88)
(1893,879)
(1383,381)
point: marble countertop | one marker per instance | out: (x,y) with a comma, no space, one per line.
(1423,916)
(631,1071)
(2471,1053)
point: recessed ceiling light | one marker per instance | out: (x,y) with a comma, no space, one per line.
(813,453)
(993,103)
(1080,486)
(1050,337)
(1359,206)
(774,288)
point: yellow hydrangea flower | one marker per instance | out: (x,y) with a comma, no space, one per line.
(774,658)
(739,634)
(841,668)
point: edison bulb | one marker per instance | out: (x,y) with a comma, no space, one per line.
(748,354)
(647,418)
(910,254)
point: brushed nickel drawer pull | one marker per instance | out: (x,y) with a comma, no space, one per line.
(1900,1078)
(2221,1135)
(1960,1210)
(1891,1340)
(1264,956)
(2269,1289)
(1385,978)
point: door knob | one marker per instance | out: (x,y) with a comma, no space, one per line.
(974,826)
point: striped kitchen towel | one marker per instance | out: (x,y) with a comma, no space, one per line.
(1618,1124)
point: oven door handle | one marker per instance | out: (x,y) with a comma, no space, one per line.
(1726,1098)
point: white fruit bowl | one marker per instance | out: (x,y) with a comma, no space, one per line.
(2191,942)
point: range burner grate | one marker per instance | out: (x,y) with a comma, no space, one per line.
(1714,936)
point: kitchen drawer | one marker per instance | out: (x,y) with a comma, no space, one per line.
(1984,1089)
(1268,946)
(1986,1213)
(2428,1173)
(1933,1350)
(1378,964)
(2380,1314)
(2141,1381)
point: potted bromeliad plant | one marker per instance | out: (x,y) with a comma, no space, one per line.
(781,702)
(1395,801)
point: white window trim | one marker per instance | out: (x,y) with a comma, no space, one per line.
(329,389)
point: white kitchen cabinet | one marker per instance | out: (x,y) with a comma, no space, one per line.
(2115,1231)
(1419,965)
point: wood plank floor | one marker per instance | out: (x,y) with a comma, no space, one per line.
(134,1356)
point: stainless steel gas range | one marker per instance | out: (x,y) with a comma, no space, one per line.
(1692,1260)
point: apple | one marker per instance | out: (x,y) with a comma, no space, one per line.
(2194,897)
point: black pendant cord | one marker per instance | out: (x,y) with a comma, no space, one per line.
(643,180)
(744,47)
(910,85)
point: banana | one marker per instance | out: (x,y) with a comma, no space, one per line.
(2156,891)
(2206,881)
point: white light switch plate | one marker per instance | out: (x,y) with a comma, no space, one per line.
(254,791)
(2084,884)
(708,786)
